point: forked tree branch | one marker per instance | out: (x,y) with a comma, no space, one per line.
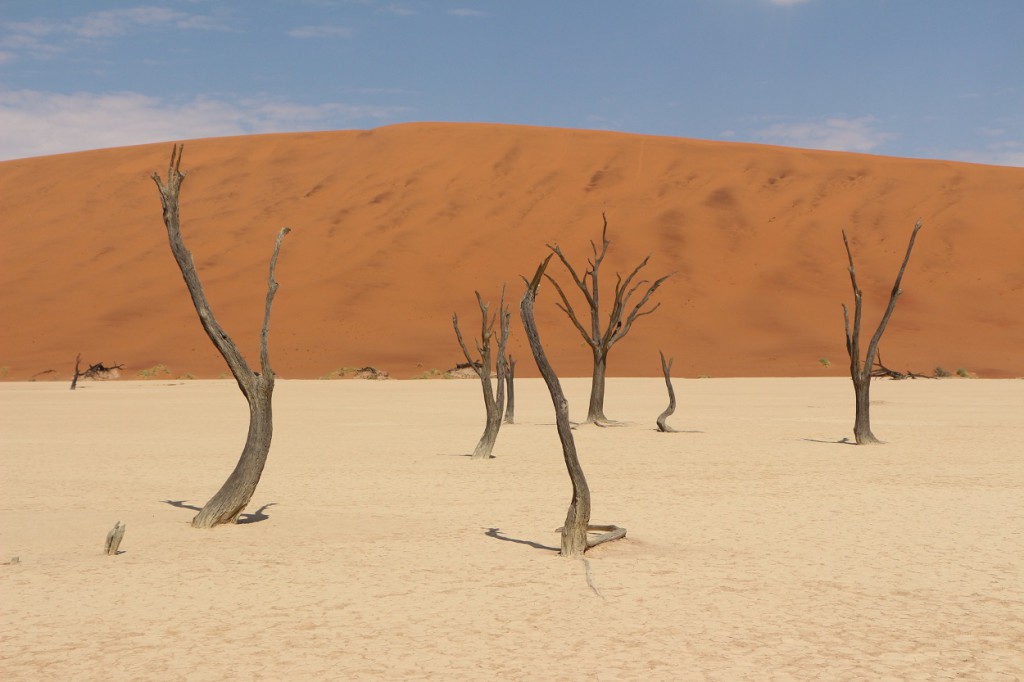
(169,199)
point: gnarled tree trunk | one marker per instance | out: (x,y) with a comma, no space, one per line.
(575,530)
(257,387)
(860,372)
(494,400)
(666,368)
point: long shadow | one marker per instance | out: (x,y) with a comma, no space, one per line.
(253,517)
(841,441)
(496,534)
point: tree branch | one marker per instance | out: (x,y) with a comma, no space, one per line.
(169,194)
(271,292)
(896,291)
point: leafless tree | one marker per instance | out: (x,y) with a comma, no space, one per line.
(576,538)
(620,319)
(510,384)
(860,371)
(257,387)
(666,368)
(494,398)
(95,371)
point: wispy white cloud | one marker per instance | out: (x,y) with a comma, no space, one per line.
(34,123)
(836,134)
(400,10)
(324,31)
(42,38)
(1002,153)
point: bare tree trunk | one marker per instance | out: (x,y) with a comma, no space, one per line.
(510,392)
(595,409)
(494,400)
(620,320)
(257,387)
(862,434)
(860,371)
(74,380)
(575,537)
(666,368)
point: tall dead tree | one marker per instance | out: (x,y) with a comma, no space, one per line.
(510,385)
(257,387)
(576,538)
(494,398)
(620,319)
(666,368)
(860,371)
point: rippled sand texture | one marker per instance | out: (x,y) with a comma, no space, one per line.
(759,546)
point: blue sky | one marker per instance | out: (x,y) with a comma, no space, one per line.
(937,79)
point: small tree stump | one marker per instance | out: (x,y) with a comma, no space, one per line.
(114,539)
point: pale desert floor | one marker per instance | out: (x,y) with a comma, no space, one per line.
(759,548)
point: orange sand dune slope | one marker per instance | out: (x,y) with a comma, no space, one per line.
(394,228)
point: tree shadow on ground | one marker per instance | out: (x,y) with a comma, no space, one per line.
(496,534)
(252,517)
(842,441)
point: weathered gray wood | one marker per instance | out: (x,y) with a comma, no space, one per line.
(257,387)
(494,398)
(510,392)
(78,373)
(575,540)
(860,372)
(620,320)
(114,538)
(666,369)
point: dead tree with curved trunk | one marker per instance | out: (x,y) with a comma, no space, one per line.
(666,368)
(620,319)
(860,371)
(257,387)
(494,398)
(576,538)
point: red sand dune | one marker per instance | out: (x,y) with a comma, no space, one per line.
(394,228)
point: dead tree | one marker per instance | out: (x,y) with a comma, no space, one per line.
(494,398)
(510,392)
(620,319)
(96,371)
(666,368)
(575,531)
(257,387)
(861,371)
(882,371)
(74,380)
